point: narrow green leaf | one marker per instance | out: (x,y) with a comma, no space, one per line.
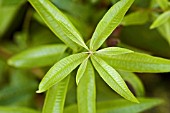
(7,16)
(164,30)
(136,18)
(161,20)
(4,109)
(58,23)
(138,62)
(135,82)
(75,8)
(109,22)
(60,70)
(81,71)
(38,56)
(112,78)
(13,93)
(123,106)
(55,97)
(104,92)
(163,4)
(113,51)
(86,91)
(120,106)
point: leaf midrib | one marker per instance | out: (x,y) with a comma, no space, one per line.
(63,24)
(111,77)
(66,67)
(100,35)
(127,60)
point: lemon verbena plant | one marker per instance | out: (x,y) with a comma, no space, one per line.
(92,60)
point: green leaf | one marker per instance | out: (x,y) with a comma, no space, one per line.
(7,16)
(110,51)
(81,71)
(138,62)
(58,23)
(4,109)
(163,4)
(123,106)
(134,81)
(112,78)
(55,97)
(109,22)
(86,91)
(164,30)
(136,18)
(161,19)
(120,106)
(75,8)
(38,56)
(13,93)
(60,70)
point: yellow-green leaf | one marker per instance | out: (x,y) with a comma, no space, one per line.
(81,71)
(161,19)
(60,70)
(55,97)
(164,30)
(136,18)
(110,51)
(124,106)
(112,78)
(58,23)
(38,56)
(109,22)
(121,106)
(86,91)
(163,4)
(138,62)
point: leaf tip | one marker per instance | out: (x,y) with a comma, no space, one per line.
(152,27)
(39,91)
(136,100)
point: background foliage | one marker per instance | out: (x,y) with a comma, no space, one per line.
(145,28)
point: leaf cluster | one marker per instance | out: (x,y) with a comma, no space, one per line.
(74,55)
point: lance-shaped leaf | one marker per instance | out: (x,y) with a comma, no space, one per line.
(86,92)
(81,71)
(138,62)
(163,4)
(110,51)
(136,18)
(109,22)
(38,56)
(60,70)
(58,23)
(121,106)
(164,30)
(112,78)
(4,109)
(161,20)
(134,81)
(55,97)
